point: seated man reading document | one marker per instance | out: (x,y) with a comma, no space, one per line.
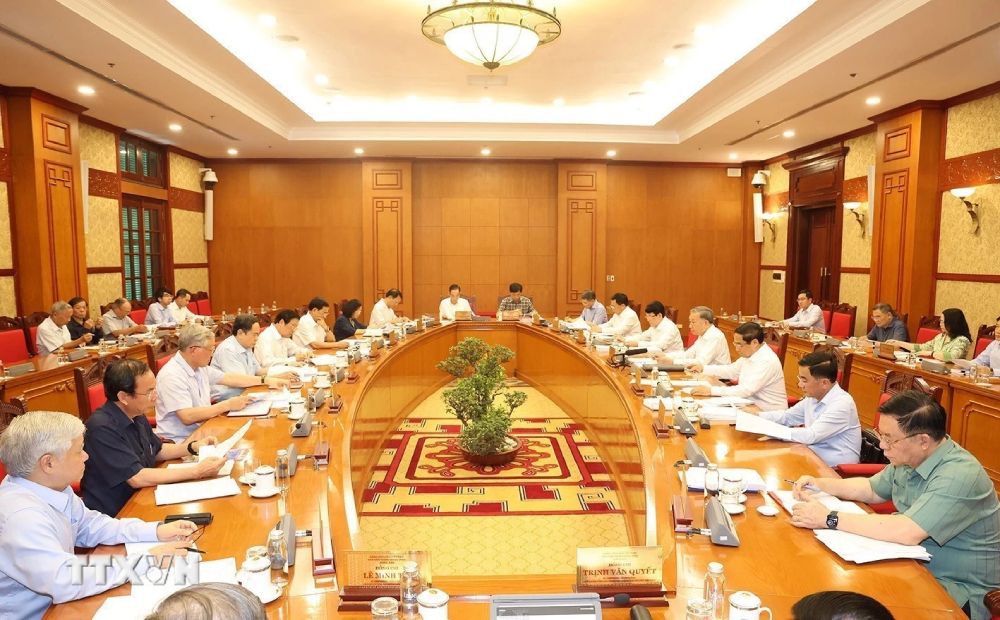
(384,310)
(515,301)
(184,386)
(158,312)
(826,420)
(453,303)
(275,344)
(117,322)
(180,308)
(313,331)
(235,355)
(624,322)
(122,448)
(711,347)
(53,332)
(945,500)
(888,326)
(809,316)
(758,372)
(42,520)
(594,312)
(662,335)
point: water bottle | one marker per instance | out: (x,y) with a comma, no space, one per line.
(281,471)
(277,550)
(715,590)
(239,311)
(409,589)
(712,483)
(274,306)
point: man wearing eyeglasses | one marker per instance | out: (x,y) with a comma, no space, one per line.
(757,371)
(123,448)
(945,500)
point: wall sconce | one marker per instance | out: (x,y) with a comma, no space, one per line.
(767,219)
(759,179)
(963,193)
(859,215)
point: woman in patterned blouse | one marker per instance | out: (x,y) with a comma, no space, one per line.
(952,343)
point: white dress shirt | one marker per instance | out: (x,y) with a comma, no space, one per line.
(231,356)
(990,357)
(382,315)
(50,336)
(447,310)
(811,317)
(178,386)
(157,314)
(272,348)
(760,377)
(113,324)
(710,349)
(665,338)
(39,528)
(308,331)
(624,324)
(182,314)
(831,428)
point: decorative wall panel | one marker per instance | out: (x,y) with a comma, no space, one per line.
(195,280)
(180,198)
(103,288)
(855,190)
(98,148)
(897,143)
(189,236)
(892,218)
(580,254)
(105,184)
(973,127)
(854,291)
(980,301)
(56,134)
(582,239)
(103,240)
(8,297)
(184,172)
(387,232)
(971,170)
(6,251)
(60,203)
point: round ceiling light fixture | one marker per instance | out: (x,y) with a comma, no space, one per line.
(491,34)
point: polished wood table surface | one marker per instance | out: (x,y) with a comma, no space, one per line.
(777,561)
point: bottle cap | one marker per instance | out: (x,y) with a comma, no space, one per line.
(282,452)
(385,605)
(715,567)
(410,566)
(432,597)
(276,535)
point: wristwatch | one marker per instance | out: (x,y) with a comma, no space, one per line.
(832,520)
(191,443)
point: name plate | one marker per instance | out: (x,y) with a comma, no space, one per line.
(510,315)
(376,573)
(619,569)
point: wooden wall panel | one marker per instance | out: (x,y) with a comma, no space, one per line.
(583,238)
(286,232)
(61,207)
(387,232)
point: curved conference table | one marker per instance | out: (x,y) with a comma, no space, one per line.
(777,561)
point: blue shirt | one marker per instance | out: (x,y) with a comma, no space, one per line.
(990,357)
(596,314)
(896,330)
(118,448)
(231,356)
(831,428)
(38,529)
(178,386)
(159,315)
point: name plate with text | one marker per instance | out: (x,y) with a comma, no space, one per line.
(619,569)
(371,574)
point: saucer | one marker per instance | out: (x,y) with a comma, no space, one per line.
(742,498)
(734,509)
(767,510)
(244,480)
(270,596)
(258,495)
(296,416)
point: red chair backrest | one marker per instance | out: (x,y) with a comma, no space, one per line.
(160,363)
(981,345)
(33,336)
(826,319)
(885,396)
(205,307)
(691,338)
(96,397)
(3,472)
(13,348)
(925,334)
(840,326)
(139,316)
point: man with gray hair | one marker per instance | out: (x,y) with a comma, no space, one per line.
(117,322)
(887,326)
(42,520)
(184,385)
(53,333)
(709,349)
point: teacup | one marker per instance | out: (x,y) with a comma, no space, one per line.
(297,408)
(745,605)
(264,480)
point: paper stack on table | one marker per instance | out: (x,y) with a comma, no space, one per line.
(696,478)
(788,501)
(181,492)
(144,598)
(254,408)
(861,549)
(719,414)
(304,372)
(723,401)
(326,359)
(750,423)
(577,323)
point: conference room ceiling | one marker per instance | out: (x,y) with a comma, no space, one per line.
(653,80)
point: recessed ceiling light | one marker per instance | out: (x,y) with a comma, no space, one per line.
(232,152)
(788,133)
(873,100)
(85,90)
(267,20)
(485,151)
(612,153)
(671,61)
(558,101)
(174,127)
(321,80)
(734,156)
(359,151)
(702,30)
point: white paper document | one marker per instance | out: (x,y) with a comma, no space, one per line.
(143,599)
(690,383)
(180,492)
(861,549)
(723,401)
(304,372)
(750,423)
(257,408)
(654,403)
(326,359)
(225,470)
(719,414)
(577,323)
(373,332)
(223,447)
(696,478)
(644,362)
(788,502)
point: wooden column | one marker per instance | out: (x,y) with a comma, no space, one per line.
(906,208)
(750,250)
(582,227)
(47,203)
(387,231)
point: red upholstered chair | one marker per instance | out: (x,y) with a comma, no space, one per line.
(984,337)
(777,341)
(13,341)
(930,326)
(671,313)
(31,323)
(205,307)
(827,318)
(161,362)
(138,315)
(842,322)
(690,340)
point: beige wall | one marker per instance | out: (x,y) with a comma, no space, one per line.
(103,235)
(188,227)
(97,148)
(184,172)
(773,252)
(772,297)
(973,127)
(103,289)
(8,298)
(189,237)
(193,280)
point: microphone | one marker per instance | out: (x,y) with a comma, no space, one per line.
(620,600)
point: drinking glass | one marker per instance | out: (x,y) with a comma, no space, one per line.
(248,469)
(699,609)
(732,487)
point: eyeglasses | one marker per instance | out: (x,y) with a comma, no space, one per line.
(889,443)
(151,390)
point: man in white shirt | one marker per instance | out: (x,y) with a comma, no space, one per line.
(826,420)
(275,344)
(184,386)
(990,356)
(662,335)
(158,312)
(52,333)
(313,331)
(117,322)
(624,322)
(710,349)
(42,520)
(180,310)
(453,303)
(758,372)
(383,312)
(809,316)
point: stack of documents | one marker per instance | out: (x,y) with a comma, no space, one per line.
(144,598)
(324,360)
(861,549)
(726,401)
(750,423)
(577,323)
(696,478)
(304,373)
(181,492)
(255,408)
(788,501)
(725,415)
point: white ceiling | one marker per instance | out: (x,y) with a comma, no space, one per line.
(788,66)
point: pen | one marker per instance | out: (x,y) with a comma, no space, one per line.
(193,550)
(807,486)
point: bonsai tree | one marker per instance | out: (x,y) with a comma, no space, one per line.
(481,399)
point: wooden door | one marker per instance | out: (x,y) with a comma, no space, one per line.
(815,260)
